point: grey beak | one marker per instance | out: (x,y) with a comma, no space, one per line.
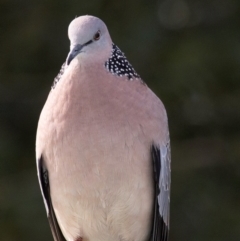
(74,52)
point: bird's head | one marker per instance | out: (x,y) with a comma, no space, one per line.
(89,39)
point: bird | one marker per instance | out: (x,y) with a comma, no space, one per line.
(103,146)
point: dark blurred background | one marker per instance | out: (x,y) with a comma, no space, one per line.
(188,52)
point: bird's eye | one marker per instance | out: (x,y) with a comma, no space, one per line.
(97,35)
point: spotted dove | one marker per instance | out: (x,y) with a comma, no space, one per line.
(102,146)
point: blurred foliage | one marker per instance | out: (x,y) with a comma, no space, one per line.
(188,52)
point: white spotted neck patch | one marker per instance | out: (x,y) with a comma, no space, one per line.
(58,77)
(118,64)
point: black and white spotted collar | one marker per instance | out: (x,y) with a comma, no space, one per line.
(118,64)
(58,77)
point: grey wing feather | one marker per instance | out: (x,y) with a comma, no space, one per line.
(45,189)
(162,174)
(164,182)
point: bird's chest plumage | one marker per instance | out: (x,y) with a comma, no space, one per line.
(96,147)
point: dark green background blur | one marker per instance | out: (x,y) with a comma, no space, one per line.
(188,52)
